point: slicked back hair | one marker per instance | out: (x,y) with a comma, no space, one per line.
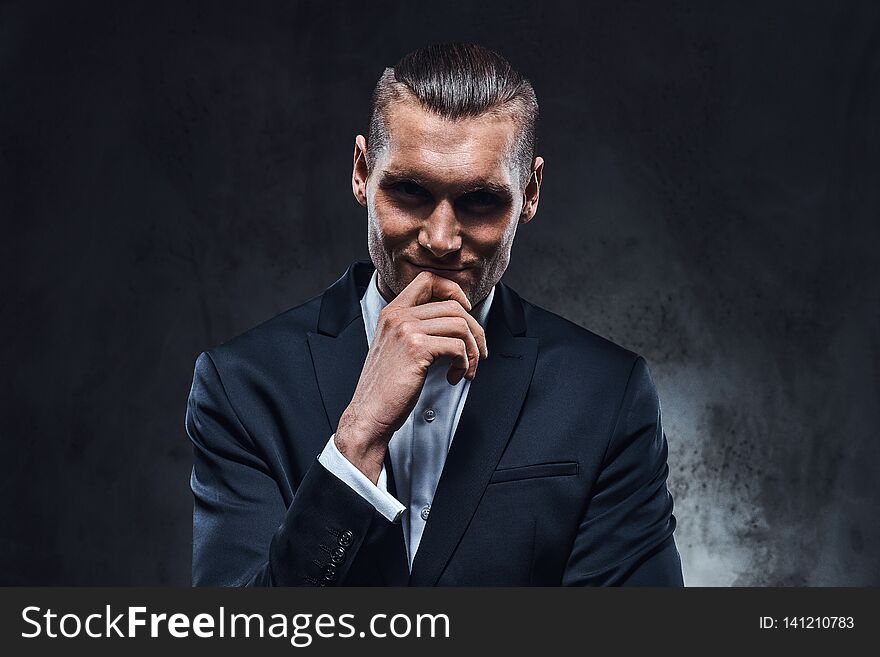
(457,80)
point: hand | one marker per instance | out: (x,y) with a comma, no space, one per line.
(412,331)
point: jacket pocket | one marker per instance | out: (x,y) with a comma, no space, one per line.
(560,469)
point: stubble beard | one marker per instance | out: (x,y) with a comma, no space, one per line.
(394,277)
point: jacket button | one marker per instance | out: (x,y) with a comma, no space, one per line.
(337,555)
(329,573)
(346,538)
(426,510)
(429,415)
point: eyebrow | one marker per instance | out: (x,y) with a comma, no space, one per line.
(392,177)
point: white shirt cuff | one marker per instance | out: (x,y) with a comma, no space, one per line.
(376,494)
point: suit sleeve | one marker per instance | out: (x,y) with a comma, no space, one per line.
(376,494)
(243,533)
(625,537)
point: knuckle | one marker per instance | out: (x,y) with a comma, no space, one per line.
(414,341)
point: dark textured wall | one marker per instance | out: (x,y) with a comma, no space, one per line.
(174,173)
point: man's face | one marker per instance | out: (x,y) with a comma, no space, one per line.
(444,195)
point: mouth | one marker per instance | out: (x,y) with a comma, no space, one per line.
(447,272)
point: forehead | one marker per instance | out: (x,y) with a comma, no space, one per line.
(433,147)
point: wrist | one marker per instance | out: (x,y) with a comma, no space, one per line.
(361,445)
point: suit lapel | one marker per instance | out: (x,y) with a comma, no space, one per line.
(339,349)
(490,412)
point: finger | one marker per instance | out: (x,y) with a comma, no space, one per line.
(427,286)
(454,327)
(452,309)
(454,348)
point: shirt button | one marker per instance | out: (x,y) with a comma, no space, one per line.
(429,415)
(425,512)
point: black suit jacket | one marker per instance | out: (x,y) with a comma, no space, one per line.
(556,473)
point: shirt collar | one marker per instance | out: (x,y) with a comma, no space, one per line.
(373,302)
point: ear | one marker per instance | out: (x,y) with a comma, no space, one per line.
(359,170)
(532,191)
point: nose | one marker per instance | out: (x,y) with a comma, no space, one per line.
(440,232)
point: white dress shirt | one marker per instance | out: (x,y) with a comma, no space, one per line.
(418,449)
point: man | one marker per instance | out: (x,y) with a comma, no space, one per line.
(419,423)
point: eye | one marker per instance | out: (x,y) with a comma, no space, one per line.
(480,200)
(410,189)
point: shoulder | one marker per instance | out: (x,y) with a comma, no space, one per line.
(282,338)
(585,375)
(573,360)
(564,339)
